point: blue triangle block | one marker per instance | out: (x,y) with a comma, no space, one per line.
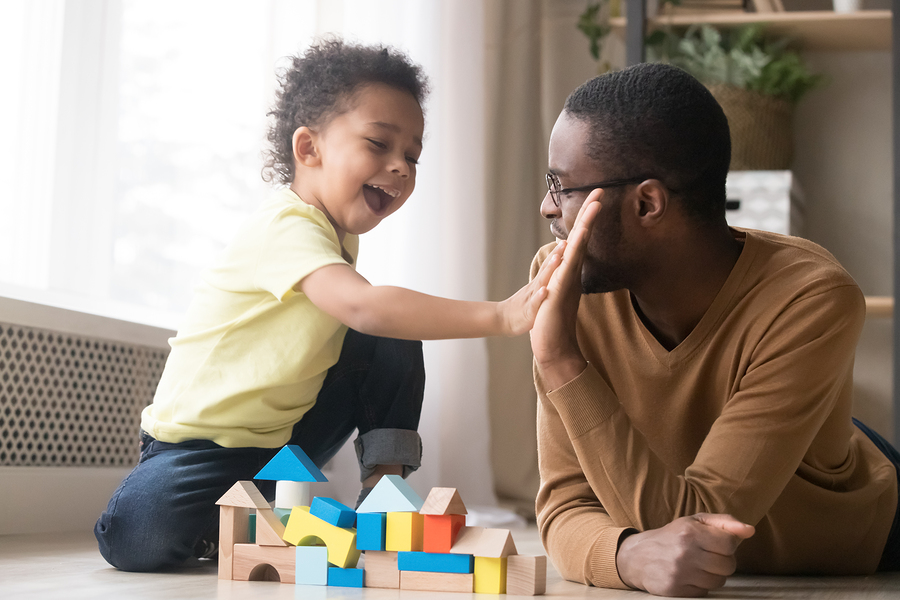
(391,494)
(290,464)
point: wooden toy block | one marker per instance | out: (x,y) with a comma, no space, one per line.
(479,541)
(269,530)
(245,494)
(251,528)
(370,531)
(404,532)
(305,529)
(233,529)
(526,575)
(443,501)
(291,493)
(345,577)
(332,511)
(437,582)
(391,494)
(490,575)
(439,532)
(381,570)
(290,464)
(435,563)
(311,565)
(264,563)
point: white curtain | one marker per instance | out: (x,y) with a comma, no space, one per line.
(130,154)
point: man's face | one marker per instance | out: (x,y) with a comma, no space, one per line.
(605,263)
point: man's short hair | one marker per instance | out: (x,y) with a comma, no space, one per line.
(656,120)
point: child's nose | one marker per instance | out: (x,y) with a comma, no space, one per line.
(400,166)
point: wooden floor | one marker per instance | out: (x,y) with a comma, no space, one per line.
(68,566)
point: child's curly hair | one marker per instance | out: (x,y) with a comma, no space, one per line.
(317,85)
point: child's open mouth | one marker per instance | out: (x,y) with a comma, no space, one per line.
(378,198)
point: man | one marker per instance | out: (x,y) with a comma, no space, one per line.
(694,381)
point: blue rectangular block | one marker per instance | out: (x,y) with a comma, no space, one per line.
(332,511)
(435,563)
(345,577)
(311,565)
(370,531)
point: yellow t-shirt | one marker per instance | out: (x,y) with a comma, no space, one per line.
(252,353)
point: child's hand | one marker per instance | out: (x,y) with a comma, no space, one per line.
(519,310)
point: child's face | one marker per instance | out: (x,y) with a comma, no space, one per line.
(368,158)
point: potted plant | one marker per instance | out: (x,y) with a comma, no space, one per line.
(756,80)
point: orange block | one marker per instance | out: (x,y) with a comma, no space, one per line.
(440,532)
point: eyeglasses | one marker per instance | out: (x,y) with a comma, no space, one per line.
(556,189)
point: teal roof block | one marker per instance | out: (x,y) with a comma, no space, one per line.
(290,464)
(391,494)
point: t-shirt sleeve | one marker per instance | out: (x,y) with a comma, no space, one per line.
(294,245)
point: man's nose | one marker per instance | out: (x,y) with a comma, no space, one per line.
(549,210)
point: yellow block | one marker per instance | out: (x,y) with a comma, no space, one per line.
(490,575)
(304,529)
(404,532)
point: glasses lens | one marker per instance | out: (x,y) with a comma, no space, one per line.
(554,187)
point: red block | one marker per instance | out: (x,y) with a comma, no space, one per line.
(440,532)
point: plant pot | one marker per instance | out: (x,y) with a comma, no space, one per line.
(761,128)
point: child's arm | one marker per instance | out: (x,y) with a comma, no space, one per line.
(401,313)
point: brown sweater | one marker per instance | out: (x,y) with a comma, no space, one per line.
(750,416)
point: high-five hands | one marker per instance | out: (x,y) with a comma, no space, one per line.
(553,339)
(520,310)
(688,557)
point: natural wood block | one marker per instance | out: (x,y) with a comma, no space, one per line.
(526,575)
(437,582)
(489,543)
(245,494)
(381,570)
(233,529)
(443,501)
(440,531)
(264,563)
(404,531)
(490,575)
(269,529)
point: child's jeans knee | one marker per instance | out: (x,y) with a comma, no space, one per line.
(388,447)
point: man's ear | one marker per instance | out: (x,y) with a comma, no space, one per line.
(652,202)
(304,145)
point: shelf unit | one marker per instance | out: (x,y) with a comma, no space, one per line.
(816,30)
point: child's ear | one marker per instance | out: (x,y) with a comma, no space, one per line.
(304,144)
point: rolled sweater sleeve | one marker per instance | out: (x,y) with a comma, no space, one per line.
(580,536)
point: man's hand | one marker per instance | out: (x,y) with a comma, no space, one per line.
(553,339)
(687,557)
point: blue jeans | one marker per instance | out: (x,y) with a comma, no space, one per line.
(167,505)
(890,556)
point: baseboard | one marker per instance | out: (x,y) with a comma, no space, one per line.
(54,499)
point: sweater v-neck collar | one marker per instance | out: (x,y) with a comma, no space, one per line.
(712,318)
